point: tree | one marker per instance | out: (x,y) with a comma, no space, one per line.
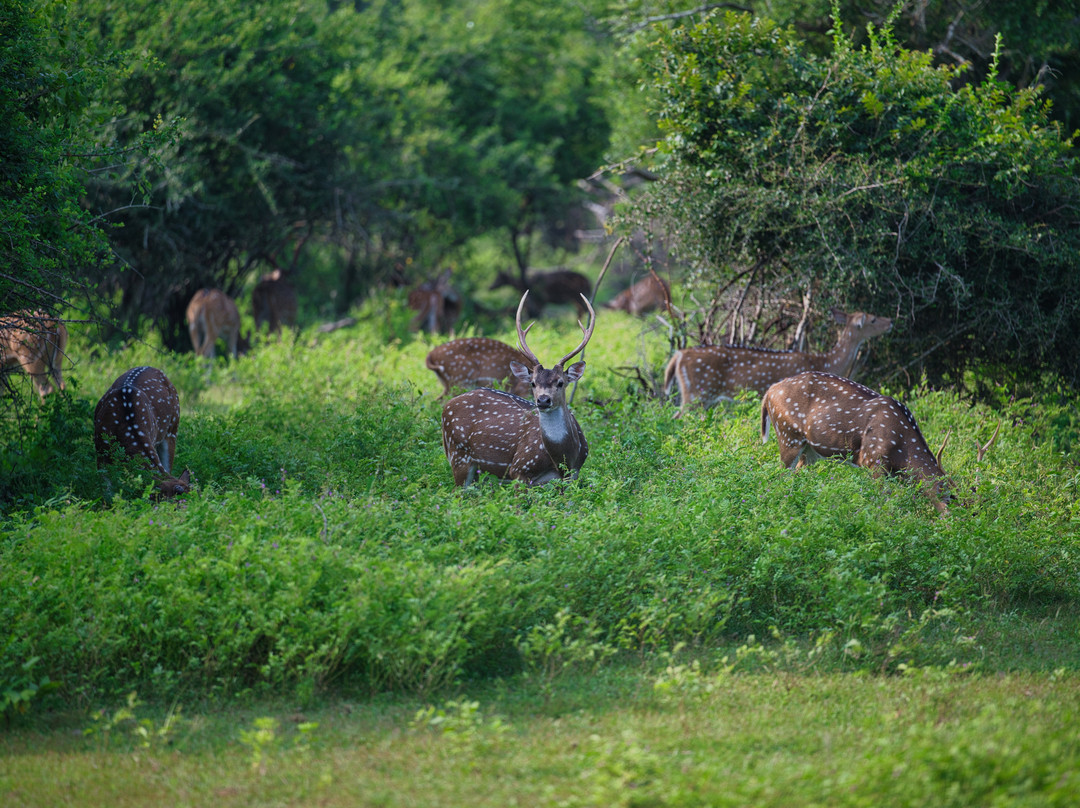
(867,177)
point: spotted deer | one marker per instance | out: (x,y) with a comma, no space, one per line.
(818,415)
(708,374)
(555,286)
(535,441)
(35,342)
(477,362)
(437,305)
(273,301)
(140,413)
(651,292)
(211,315)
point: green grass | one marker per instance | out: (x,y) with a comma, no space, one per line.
(854,647)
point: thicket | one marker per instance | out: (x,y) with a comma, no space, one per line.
(871,177)
(327,549)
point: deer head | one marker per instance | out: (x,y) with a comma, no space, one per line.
(140,413)
(34,342)
(476,362)
(708,374)
(273,301)
(532,441)
(211,315)
(822,415)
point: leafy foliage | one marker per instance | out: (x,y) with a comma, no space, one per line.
(865,178)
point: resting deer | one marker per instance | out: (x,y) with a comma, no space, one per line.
(35,342)
(476,362)
(437,305)
(532,441)
(212,314)
(556,286)
(140,413)
(822,415)
(708,374)
(651,292)
(273,301)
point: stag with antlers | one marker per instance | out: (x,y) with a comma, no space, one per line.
(511,437)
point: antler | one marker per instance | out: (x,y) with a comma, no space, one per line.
(586,331)
(944,443)
(981,450)
(522,346)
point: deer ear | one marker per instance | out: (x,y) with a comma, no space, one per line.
(520,371)
(839,315)
(575,371)
(185,478)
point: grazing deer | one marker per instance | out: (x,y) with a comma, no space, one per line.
(651,292)
(437,305)
(532,441)
(35,342)
(140,413)
(710,373)
(212,314)
(819,415)
(273,301)
(556,286)
(476,362)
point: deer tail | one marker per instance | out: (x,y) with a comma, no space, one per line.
(764,421)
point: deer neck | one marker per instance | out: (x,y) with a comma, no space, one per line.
(558,432)
(841,359)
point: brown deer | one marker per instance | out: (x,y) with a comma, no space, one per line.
(532,441)
(707,374)
(651,292)
(212,314)
(35,343)
(437,305)
(273,301)
(556,286)
(477,362)
(140,413)
(818,415)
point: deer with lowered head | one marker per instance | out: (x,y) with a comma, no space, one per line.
(273,301)
(211,315)
(477,362)
(35,342)
(555,286)
(140,413)
(511,437)
(818,415)
(707,374)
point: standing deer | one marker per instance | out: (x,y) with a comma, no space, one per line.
(651,292)
(710,373)
(476,362)
(35,342)
(556,286)
(532,441)
(273,301)
(212,314)
(140,413)
(820,415)
(437,305)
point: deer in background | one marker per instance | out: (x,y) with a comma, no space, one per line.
(707,374)
(437,305)
(273,301)
(532,441)
(818,415)
(35,342)
(651,292)
(556,287)
(140,413)
(212,314)
(477,362)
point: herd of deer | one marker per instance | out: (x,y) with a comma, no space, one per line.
(525,432)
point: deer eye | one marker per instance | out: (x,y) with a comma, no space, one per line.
(560,384)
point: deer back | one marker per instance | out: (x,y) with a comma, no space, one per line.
(35,342)
(273,301)
(644,296)
(212,314)
(140,413)
(476,362)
